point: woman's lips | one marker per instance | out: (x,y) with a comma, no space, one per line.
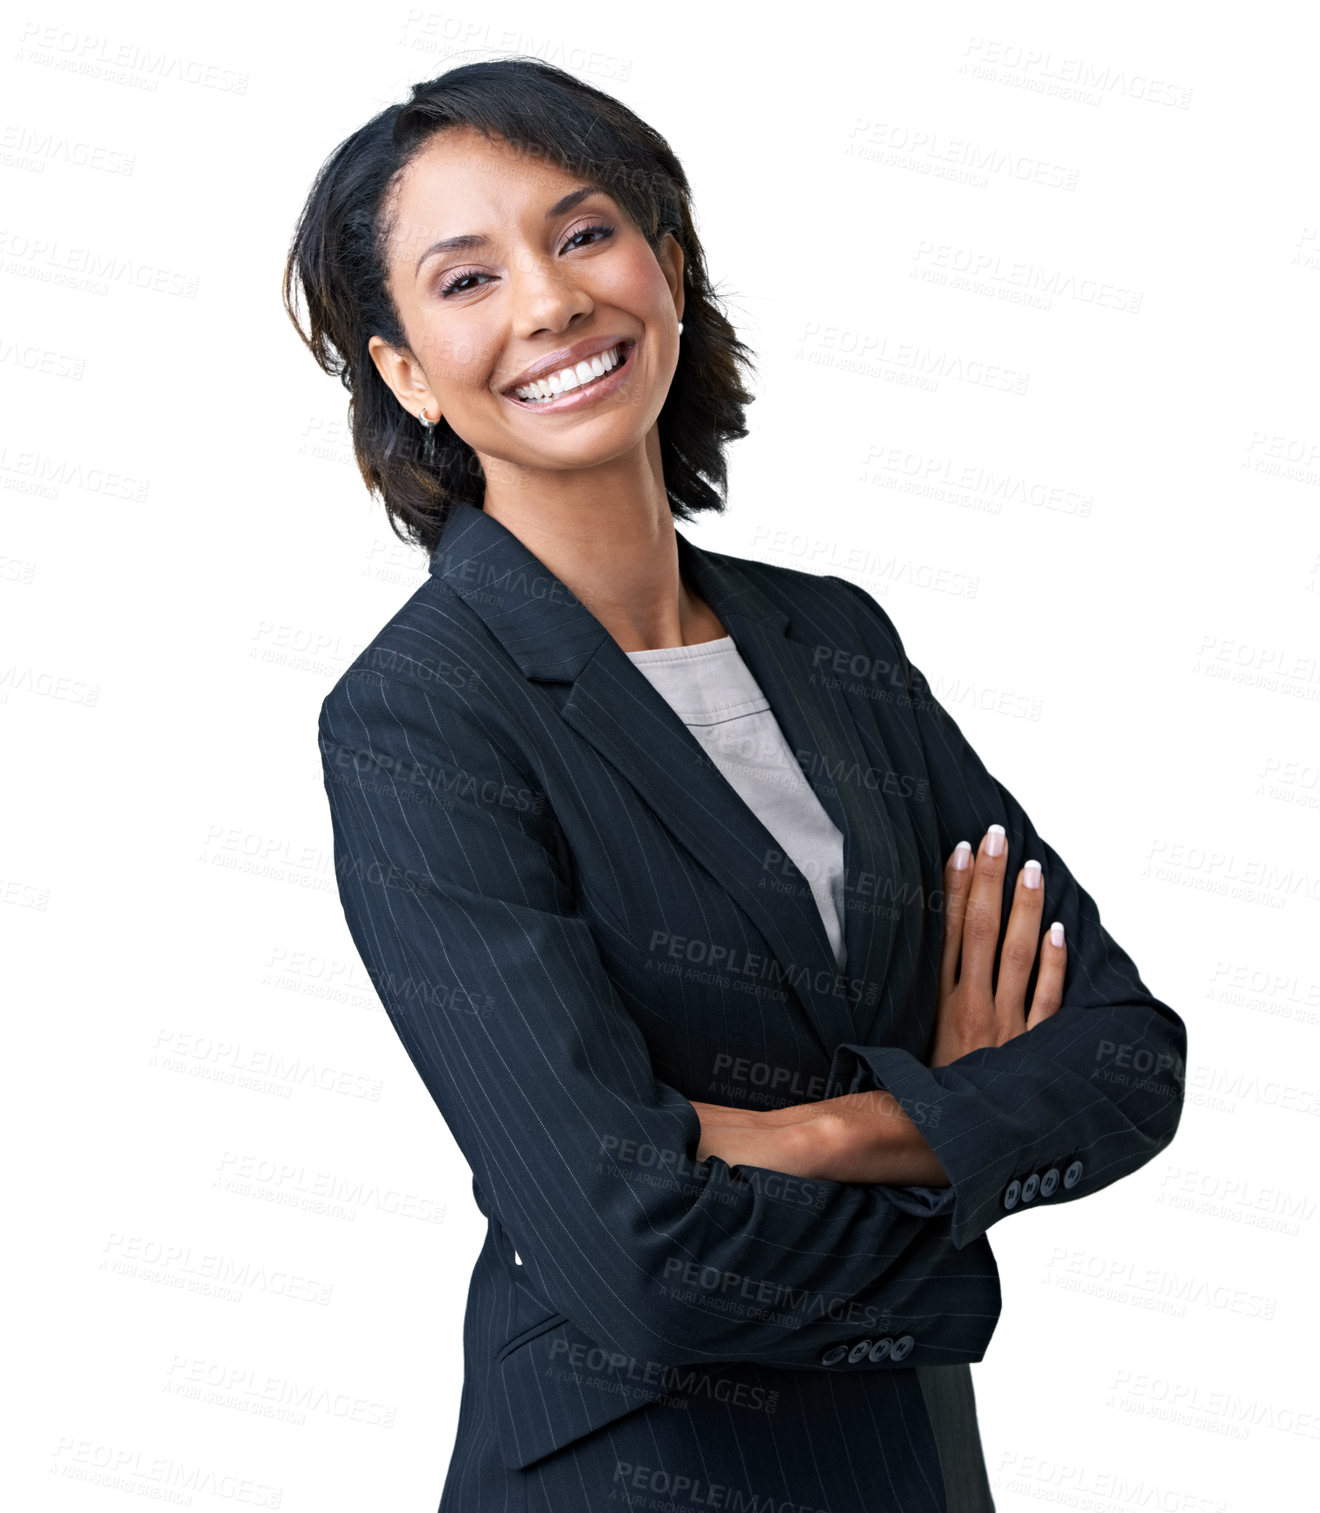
(585,394)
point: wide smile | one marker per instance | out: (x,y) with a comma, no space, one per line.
(577,387)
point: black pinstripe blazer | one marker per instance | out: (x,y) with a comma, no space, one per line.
(575,924)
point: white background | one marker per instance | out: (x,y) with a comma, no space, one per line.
(1108,571)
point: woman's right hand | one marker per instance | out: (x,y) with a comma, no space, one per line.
(974,1010)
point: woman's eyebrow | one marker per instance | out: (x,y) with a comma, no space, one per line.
(463,243)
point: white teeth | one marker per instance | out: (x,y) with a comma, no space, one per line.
(572,378)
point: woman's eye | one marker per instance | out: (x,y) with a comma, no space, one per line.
(590,231)
(455,279)
(452,284)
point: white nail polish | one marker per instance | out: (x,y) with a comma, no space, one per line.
(1031,874)
(995,845)
(962,856)
(1056,934)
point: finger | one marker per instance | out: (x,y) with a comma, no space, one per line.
(980,931)
(1017,955)
(1048,997)
(957,884)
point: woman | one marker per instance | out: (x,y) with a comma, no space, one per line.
(650,852)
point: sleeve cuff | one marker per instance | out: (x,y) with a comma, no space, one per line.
(921,1096)
(851,1072)
(996,1161)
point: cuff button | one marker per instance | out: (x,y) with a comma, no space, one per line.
(1073,1175)
(1049,1182)
(880,1349)
(1030,1188)
(834,1355)
(858,1351)
(902,1348)
(1012,1193)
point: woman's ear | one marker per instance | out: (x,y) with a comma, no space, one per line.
(404,376)
(671,260)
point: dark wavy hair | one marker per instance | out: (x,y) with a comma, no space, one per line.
(337,264)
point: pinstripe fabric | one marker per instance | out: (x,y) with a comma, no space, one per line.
(575,925)
(712,691)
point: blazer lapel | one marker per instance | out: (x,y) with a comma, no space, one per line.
(553,637)
(822,734)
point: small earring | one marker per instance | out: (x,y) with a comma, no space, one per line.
(680,328)
(428,439)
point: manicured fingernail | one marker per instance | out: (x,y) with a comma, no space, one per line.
(962,856)
(995,844)
(1056,934)
(1031,874)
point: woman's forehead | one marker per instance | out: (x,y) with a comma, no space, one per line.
(464,159)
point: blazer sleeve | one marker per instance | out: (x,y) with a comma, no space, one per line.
(457,893)
(1079,1100)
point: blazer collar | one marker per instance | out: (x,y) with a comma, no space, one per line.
(552,636)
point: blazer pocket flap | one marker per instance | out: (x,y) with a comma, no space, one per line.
(559,1385)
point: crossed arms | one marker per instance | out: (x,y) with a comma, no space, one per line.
(465,920)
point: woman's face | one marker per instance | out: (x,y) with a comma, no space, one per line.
(536,278)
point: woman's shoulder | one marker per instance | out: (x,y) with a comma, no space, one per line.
(433,652)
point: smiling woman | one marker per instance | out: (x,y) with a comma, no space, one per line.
(475,308)
(448,241)
(655,856)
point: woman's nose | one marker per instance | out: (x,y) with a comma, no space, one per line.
(546,295)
